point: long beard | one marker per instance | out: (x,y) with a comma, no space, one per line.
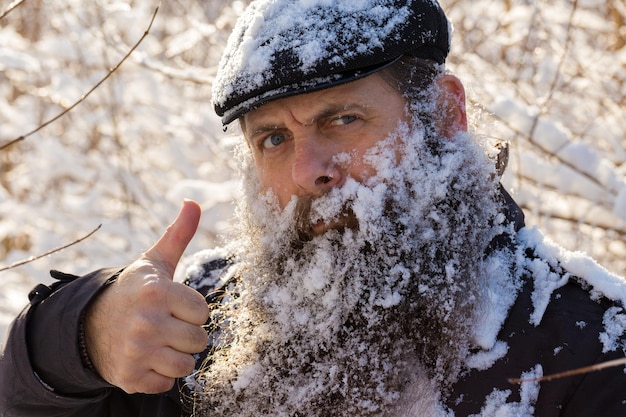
(352,322)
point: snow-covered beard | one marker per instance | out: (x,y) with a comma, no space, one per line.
(351,322)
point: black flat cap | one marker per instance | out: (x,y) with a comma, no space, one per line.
(280,48)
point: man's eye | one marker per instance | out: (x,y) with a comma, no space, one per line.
(344,120)
(273,140)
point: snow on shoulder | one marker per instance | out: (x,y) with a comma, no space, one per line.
(582,267)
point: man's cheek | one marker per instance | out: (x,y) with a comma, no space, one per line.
(362,172)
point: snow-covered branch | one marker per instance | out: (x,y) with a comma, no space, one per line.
(84,96)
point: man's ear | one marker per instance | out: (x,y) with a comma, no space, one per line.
(453,116)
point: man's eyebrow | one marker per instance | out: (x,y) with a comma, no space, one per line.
(333,110)
(263,129)
(325,113)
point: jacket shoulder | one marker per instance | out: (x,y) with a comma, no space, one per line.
(568,314)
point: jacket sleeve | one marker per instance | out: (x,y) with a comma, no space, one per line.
(41,370)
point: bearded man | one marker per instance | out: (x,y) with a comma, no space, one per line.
(377,267)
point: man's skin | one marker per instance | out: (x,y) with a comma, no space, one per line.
(314,127)
(142,330)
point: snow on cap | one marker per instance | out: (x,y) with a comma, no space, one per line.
(281,48)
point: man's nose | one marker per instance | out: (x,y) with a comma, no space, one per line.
(314,170)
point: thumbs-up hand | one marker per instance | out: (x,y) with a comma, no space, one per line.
(142,330)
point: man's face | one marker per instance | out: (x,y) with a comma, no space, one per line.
(348,322)
(307,144)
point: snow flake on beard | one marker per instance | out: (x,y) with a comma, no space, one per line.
(338,323)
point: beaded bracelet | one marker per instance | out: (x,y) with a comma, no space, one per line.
(82,344)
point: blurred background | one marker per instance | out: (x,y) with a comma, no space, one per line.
(548,77)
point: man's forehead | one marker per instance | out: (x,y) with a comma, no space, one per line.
(308,107)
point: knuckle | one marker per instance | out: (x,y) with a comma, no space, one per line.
(181,364)
(152,289)
(186,365)
(201,311)
(184,294)
(201,338)
(132,352)
(133,349)
(192,296)
(205,311)
(197,338)
(139,327)
(140,268)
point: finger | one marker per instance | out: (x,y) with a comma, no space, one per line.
(187,304)
(184,337)
(172,244)
(149,383)
(172,364)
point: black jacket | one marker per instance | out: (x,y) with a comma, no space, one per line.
(566,339)
(41,373)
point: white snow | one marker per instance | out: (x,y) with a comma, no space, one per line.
(500,292)
(615,325)
(148,138)
(620,204)
(485,359)
(259,42)
(579,264)
(496,404)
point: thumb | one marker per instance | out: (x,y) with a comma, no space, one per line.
(171,245)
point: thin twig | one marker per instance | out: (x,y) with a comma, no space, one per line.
(50,252)
(557,73)
(111,71)
(574,221)
(11,7)
(530,138)
(578,371)
(604,222)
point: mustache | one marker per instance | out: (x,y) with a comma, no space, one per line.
(303,219)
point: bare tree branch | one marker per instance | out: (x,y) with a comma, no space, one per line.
(34,258)
(621,233)
(11,7)
(557,73)
(543,185)
(578,371)
(531,139)
(98,84)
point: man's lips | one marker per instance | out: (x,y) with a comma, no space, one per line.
(345,220)
(320,227)
(309,225)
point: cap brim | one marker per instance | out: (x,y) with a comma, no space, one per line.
(304,87)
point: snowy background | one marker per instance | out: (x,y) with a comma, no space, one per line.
(548,76)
